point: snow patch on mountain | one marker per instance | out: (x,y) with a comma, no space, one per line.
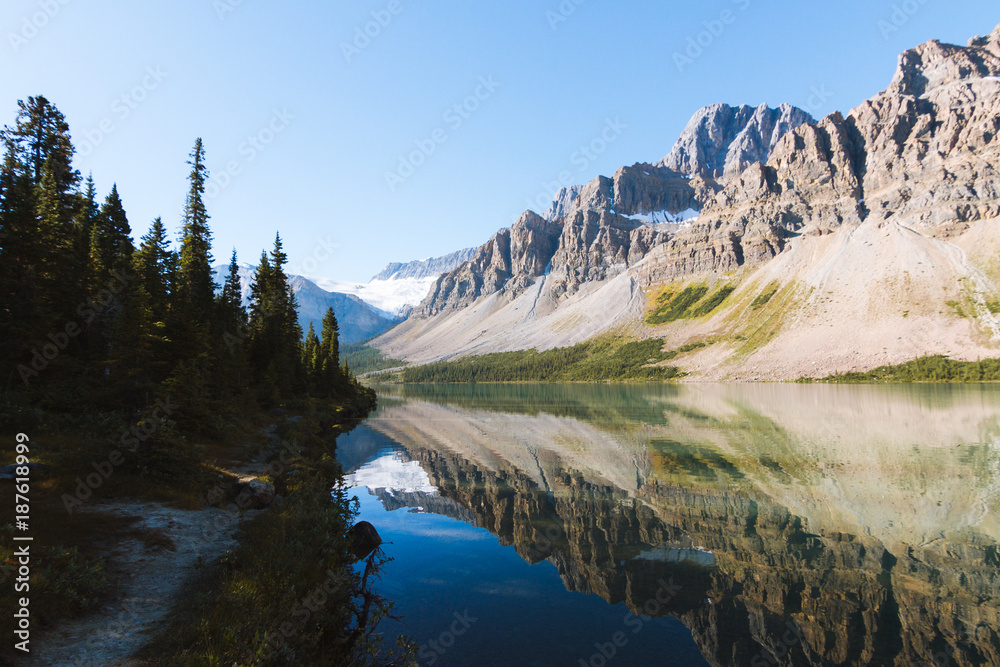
(659,217)
(393,297)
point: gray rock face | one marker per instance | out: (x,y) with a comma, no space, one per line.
(425,268)
(924,152)
(587,245)
(357,319)
(522,252)
(563,202)
(720,141)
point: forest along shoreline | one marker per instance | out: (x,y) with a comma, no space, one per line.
(184,502)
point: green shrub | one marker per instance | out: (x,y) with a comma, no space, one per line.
(678,306)
(764,297)
(714,301)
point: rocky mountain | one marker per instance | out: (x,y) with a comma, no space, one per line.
(399,287)
(357,319)
(720,141)
(596,231)
(425,268)
(861,239)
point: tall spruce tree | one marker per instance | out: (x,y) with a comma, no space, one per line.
(37,253)
(152,265)
(275,333)
(331,376)
(111,245)
(195,265)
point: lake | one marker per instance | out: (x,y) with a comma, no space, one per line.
(773,524)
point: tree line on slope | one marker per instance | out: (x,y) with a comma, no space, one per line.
(598,360)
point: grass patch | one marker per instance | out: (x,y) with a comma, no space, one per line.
(677,307)
(956,306)
(936,368)
(689,303)
(764,296)
(714,301)
(599,360)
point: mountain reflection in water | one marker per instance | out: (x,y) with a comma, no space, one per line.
(792,524)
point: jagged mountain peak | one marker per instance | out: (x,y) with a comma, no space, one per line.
(720,140)
(933,64)
(425,268)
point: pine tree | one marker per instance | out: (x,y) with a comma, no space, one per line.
(331,377)
(230,301)
(37,254)
(111,245)
(84,221)
(152,266)
(195,267)
(275,334)
(310,358)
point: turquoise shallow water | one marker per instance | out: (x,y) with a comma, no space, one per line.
(687,525)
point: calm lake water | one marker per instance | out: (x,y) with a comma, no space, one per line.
(687,525)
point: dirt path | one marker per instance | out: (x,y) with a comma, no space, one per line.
(148,575)
(149,580)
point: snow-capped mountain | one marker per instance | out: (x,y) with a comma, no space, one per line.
(357,319)
(399,287)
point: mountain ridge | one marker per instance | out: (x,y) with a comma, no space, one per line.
(862,215)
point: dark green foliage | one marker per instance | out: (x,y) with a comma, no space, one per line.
(363,358)
(764,297)
(677,307)
(713,302)
(606,359)
(143,361)
(195,265)
(936,368)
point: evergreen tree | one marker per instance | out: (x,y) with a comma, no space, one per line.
(230,301)
(84,222)
(37,253)
(195,266)
(275,334)
(41,134)
(331,376)
(152,266)
(310,358)
(111,244)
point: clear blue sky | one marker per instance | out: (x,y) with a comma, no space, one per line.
(226,70)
